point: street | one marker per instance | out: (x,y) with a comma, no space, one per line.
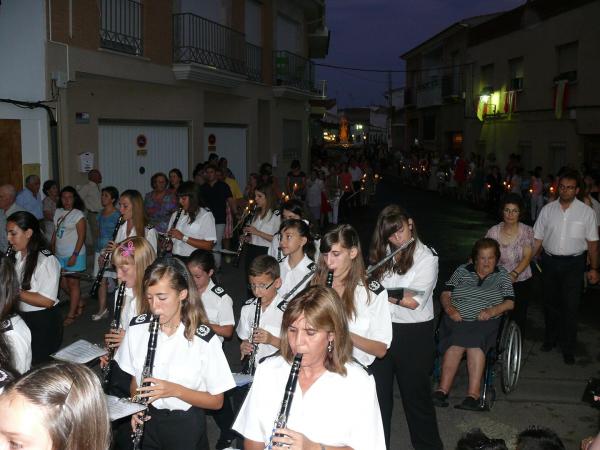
(548,393)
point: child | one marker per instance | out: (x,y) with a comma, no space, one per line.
(264,225)
(298,248)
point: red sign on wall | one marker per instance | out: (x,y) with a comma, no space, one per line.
(141,140)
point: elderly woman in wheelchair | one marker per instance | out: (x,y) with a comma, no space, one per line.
(474,299)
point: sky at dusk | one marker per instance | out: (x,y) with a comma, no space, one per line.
(374,33)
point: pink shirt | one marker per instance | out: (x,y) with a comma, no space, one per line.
(512,254)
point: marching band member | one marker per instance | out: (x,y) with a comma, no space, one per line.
(190,371)
(365,303)
(264,225)
(14,333)
(297,248)
(410,278)
(322,414)
(131,207)
(195,227)
(39,272)
(263,276)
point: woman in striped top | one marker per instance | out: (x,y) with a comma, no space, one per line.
(474,298)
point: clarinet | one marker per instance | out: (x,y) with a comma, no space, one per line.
(115,324)
(138,434)
(329,282)
(10,251)
(384,260)
(247,221)
(250,367)
(168,242)
(286,404)
(98,280)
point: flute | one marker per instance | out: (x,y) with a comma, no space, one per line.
(250,367)
(288,397)
(138,434)
(98,280)
(115,324)
(384,260)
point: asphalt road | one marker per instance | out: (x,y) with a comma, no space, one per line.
(548,393)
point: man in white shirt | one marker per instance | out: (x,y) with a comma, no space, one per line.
(8,194)
(91,193)
(566,229)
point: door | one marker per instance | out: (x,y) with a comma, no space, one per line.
(228,142)
(130,154)
(11,171)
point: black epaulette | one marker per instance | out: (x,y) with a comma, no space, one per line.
(6,325)
(376,287)
(282,305)
(218,290)
(46,252)
(142,318)
(264,358)
(282,259)
(276,212)
(250,301)
(204,332)
(5,378)
(365,368)
(312,266)
(149,227)
(433,251)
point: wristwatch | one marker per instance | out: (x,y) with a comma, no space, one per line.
(185,238)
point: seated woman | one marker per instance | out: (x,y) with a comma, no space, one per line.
(330,390)
(474,298)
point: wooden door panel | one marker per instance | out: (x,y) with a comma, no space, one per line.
(11,170)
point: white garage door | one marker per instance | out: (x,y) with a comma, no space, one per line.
(230,143)
(124,166)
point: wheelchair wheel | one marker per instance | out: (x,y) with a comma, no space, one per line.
(510,356)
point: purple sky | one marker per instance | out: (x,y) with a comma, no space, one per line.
(374,33)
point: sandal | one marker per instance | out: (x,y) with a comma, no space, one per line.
(440,399)
(469,404)
(69,320)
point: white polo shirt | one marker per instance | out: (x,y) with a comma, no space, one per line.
(372,320)
(291,277)
(269,224)
(203,227)
(420,278)
(335,411)
(218,306)
(566,233)
(198,364)
(270,320)
(18,338)
(149,234)
(44,280)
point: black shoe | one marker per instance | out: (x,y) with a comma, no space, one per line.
(223,443)
(547,346)
(440,399)
(469,404)
(569,359)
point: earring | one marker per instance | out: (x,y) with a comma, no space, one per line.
(330,347)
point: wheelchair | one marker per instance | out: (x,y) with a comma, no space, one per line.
(504,358)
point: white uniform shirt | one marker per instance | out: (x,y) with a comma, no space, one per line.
(65,223)
(198,364)
(128,308)
(336,410)
(270,320)
(44,280)
(203,227)
(291,277)
(372,321)
(269,224)
(18,338)
(218,306)
(421,278)
(566,232)
(149,234)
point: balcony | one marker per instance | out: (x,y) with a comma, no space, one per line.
(207,51)
(294,75)
(429,93)
(451,90)
(121,26)
(254,62)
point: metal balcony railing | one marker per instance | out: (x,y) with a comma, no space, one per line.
(202,41)
(254,62)
(121,27)
(293,70)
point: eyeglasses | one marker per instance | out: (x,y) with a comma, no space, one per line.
(260,287)
(562,187)
(511,211)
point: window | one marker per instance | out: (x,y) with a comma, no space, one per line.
(515,69)
(566,56)
(487,77)
(429,127)
(253,22)
(288,34)
(557,156)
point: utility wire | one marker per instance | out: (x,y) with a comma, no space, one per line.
(360,69)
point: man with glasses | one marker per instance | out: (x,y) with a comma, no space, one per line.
(566,233)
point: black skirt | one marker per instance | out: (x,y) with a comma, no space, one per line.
(468,334)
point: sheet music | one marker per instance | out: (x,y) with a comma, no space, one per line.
(80,351)
(121,407)
(242,379)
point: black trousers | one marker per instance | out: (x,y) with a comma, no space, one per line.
(410,359)
(46,333)
(522,295)
(562,279)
